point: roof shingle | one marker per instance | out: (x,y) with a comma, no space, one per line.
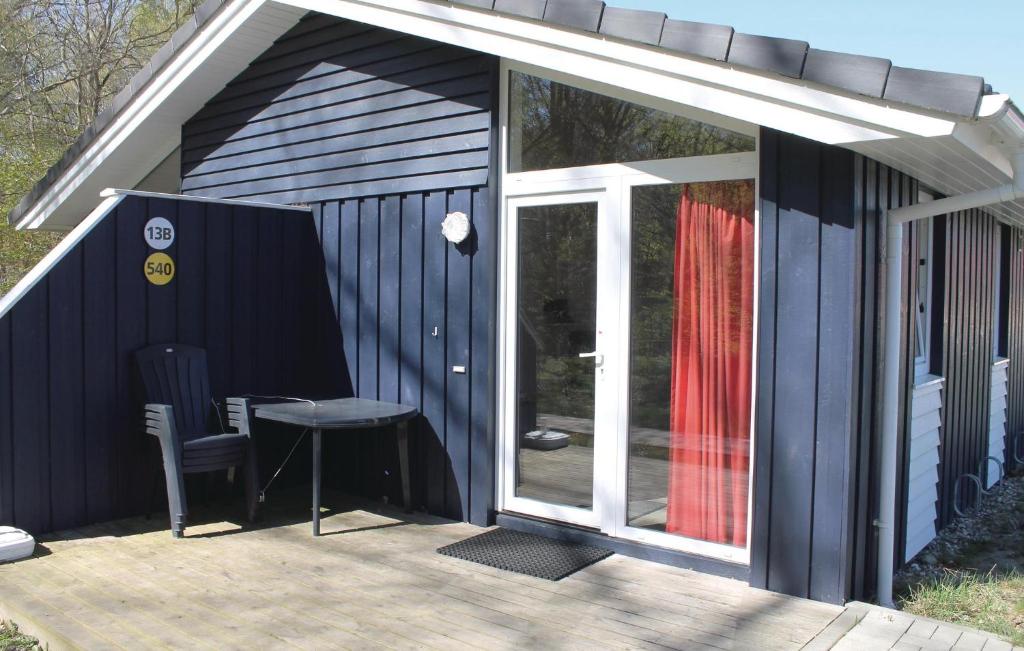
(581,14)
(782,55)
(941,91)
(857,74)
(633,25)
(525,8)
(697,39)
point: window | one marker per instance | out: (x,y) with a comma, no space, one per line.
(555,126)
(1001,289)
(557,320)
(692,332)
(923,297)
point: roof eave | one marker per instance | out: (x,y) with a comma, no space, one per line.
(752,96)
(182,36)
(173,88)
(723,92)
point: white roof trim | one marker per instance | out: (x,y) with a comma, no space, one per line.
(992,104)
(147,110)
(114,192)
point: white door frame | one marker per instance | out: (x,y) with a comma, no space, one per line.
(604,386)
(613,183)
(618,525)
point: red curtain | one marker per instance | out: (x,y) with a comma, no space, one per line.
(712,335)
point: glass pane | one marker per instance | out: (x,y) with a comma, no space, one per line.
(557,256)
(998,327)
(553,126)
(690,359)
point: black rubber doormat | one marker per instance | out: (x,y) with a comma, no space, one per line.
(526,553)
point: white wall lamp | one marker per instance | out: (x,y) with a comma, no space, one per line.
(456,227)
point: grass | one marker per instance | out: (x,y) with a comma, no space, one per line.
(991,602)
(12,640)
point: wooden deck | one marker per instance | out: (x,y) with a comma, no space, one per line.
(373,581)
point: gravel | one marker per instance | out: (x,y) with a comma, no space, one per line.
(990,538)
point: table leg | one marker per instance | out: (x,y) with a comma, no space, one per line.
(317,458)
(403,464)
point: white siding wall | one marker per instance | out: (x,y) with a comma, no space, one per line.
(923,476)
(997,420)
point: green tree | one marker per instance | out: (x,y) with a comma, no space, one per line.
(61,63)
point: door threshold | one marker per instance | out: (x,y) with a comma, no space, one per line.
(631,548)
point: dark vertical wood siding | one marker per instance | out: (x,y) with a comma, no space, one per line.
(798,200)
(965,247)
(1014,280)
(964,254)
(877,189)
(337,109)
(821,289)
(1005,239)
(971,247)
(796,193)
(903,191)
(807,379)
(892,190)
(416,306)
(384,134)
(863,486)
(71,448)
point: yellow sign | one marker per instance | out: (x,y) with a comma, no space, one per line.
(159,269)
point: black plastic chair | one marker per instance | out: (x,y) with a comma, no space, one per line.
(178,410)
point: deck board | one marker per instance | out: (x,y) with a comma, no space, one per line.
(373,581)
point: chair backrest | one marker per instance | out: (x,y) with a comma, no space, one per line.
(177,375)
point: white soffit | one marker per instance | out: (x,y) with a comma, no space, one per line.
(948,165)
(148,129)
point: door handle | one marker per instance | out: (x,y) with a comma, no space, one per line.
(598,357)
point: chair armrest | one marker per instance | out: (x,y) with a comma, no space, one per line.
(160,423)
(240,415)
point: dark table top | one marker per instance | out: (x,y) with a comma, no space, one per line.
(340,413)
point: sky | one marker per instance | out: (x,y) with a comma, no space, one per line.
(976,37)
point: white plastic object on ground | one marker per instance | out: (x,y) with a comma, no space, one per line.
(15,544)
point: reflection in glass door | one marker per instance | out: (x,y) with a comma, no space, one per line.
(557,313)
(690,359)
